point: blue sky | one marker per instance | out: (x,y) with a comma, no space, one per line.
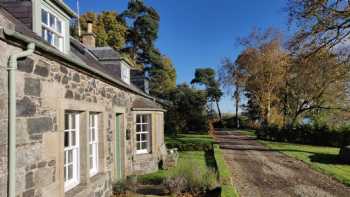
(200,33)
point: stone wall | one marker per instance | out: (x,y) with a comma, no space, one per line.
(45,89)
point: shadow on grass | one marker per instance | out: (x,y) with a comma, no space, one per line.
(210,159)
(325,158)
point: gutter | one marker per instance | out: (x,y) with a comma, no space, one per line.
(48,49)
(12,67)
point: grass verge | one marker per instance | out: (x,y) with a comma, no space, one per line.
(228,190)
(319,158)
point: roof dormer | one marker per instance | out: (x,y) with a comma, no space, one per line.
(48,18)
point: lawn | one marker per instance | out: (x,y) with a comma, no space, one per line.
(189,139)
(322,159)
(197,158)
(204,160)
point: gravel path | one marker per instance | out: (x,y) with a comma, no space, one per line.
(258,171)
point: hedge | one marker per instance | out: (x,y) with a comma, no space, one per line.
(313,135)
(224,173)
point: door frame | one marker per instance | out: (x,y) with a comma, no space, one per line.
(119,129)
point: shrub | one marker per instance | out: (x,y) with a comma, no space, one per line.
(189,178)
(305,134)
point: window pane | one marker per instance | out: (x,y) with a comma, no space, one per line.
(65,173)
(58,26)
(145,127)
(90,149)
(138,137)
(66,121)
(138,146)
(93,134)
(144,145)
(49,37)
(56,41)
(70,172)
(66,139)
(138,118)
(70,156)
(138,128)
(91,163)
(73,121)
(144,137)
(74,141)
(52,21)
(44,17)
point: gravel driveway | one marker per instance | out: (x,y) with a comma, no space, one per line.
(258,171)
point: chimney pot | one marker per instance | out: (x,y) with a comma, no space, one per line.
(89,38)
(89,27)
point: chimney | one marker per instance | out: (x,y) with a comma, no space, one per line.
(88,38)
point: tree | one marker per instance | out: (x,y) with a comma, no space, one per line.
(187,110)
(162,77)
(322,23)
(263,61)
(232,76)
(206,77)
(142,32)
(317,83)
(109,28)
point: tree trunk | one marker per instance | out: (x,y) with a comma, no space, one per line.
(237,106)
(219,111)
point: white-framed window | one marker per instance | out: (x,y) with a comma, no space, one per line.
(71,150)
(93,143)
(52,29)
(143,133)
(125,73)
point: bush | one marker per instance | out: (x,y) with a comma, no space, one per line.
(189,178)
(190,147)
(306,134)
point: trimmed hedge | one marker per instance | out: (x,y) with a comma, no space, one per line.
(313,135)
(190,147)
(224,173)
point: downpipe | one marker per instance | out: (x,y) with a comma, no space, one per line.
(12,67)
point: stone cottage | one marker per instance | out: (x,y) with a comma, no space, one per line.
(73,120)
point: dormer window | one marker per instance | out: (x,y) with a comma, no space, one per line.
(125,73)
(52,29)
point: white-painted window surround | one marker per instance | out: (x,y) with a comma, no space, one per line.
(93,143)
(125,73)
(71,150)
(143,133)
(52,29)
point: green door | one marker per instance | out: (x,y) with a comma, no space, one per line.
(118,155)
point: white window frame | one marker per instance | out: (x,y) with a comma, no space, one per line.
(45,28)
(93,143)
(74,148)
(125,73)
(140,130)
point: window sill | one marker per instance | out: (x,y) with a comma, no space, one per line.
(75,190)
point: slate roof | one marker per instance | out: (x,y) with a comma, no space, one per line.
(87,56)
(140,104)
(105,53)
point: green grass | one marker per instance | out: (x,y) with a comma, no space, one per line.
(228,190)
(322,159)
(189,139)
(196,157)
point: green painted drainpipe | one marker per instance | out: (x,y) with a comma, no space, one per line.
(12,67)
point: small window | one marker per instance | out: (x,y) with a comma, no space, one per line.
(71,150)
(143,133)
(125,73)
(52,29)
(93,143)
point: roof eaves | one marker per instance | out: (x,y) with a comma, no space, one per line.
(46,48)
(66,8)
